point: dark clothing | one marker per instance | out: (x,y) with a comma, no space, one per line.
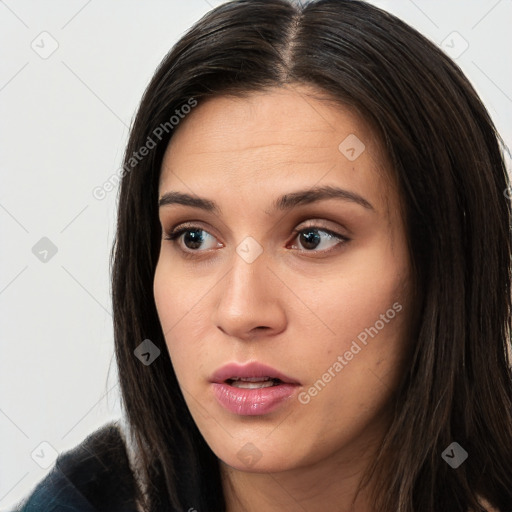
(95,476)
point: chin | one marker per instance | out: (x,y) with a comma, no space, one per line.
(257,454)
(271,464)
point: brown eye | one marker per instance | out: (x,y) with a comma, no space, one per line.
(311,238)
(192,238)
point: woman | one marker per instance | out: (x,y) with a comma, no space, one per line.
(311,278)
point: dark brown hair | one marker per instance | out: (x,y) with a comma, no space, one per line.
(445,154)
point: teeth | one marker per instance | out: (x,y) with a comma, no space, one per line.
(252,384)
(251,379)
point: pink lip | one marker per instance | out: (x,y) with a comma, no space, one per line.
(251,402)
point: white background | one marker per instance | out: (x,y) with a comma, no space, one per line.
(64,124)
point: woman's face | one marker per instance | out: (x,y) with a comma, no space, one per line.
(293,265)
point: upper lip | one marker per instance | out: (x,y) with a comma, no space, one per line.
(253,369)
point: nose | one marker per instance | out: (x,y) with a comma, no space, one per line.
(250,302)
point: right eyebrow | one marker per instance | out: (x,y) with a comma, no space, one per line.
(188,200)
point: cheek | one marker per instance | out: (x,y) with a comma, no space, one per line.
(164,290)
(179,310)
(365,307)
(352,297)
(172,304)
(352,374)
(177,295)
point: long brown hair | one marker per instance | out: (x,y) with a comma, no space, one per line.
(449,167)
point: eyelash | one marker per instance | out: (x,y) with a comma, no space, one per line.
(176,234)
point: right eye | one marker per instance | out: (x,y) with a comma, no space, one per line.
(190,238)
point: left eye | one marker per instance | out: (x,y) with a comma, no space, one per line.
(311,239)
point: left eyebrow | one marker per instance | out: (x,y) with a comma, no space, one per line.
(283,203)
(307,196)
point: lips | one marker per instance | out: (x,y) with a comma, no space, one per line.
(252,389)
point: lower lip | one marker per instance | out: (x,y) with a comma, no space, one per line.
(252,402)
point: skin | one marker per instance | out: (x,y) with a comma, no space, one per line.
(296,307)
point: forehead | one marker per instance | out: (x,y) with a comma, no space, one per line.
(274,141)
